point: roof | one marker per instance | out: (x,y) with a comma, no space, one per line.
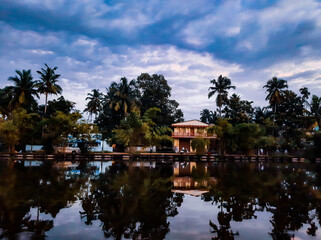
(193,192)
(191,123)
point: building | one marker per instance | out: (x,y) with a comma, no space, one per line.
(184,132)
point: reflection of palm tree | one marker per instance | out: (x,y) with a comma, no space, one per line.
(23,91)
(132,203)
(48,83)
(221,87)
(275,88)
(94,105)
(224,231)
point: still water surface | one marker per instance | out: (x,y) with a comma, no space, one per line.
(137,200)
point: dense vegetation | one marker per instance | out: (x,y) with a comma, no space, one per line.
(140,112)
(23,121)
(288,124)
(130,113)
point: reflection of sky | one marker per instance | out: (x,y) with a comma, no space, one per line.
(69,225)
(192,222)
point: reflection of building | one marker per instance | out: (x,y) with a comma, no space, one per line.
(184,132)
(191,175)
(188,182)
(185,168)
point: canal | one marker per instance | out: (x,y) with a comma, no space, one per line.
(151,200)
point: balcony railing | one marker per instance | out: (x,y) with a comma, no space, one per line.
(178,134)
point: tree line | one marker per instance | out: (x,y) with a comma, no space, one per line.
(288,124)
(130,113)
(140,112)
(23,121)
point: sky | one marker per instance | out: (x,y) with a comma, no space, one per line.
(190,42)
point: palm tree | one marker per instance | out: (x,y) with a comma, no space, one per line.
(48,83)
(305,95)
(221,87)
(95,102)
(5,99)
(123,99)
(208,116)
(315,107)
(24,89)
(276,90)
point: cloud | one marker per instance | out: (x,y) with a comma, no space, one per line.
(191,42)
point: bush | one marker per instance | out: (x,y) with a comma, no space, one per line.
(200,145)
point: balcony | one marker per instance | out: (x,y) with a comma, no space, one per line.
(193,135)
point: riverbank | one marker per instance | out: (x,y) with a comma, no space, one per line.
(164,157)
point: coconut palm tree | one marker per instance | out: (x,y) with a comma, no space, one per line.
(95,102)
(24,90)
(276,90)
(123,99)
(305,95)
(48,83)
(208,116)
(5,99)
(315,107)
(221,87)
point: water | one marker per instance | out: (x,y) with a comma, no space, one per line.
(142,200)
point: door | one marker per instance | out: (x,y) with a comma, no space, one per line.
(184,142)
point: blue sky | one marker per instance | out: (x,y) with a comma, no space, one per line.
(190,42)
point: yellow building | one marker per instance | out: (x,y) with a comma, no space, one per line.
(184,132)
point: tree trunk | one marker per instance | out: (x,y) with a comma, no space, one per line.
(274,112)
(46,102)
(12,148)
(274,119)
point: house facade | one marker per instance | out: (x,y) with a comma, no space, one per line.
(184,132)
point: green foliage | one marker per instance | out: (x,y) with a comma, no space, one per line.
(247,135)
(141,131)
(122,96)
(48,83)
(208,116)
(276,90)
(221,87)
(17,127)
(120,99)
(222,129)
(23,91)
(154,91)
(9,134)
(147,91)
(200,145)
(6,99)
(94,106)
(237,110)
(266,142)
(58,127)
(314,149)
(61,105)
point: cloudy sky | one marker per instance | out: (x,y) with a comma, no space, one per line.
(190,42)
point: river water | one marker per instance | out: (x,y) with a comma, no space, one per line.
(149,200)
